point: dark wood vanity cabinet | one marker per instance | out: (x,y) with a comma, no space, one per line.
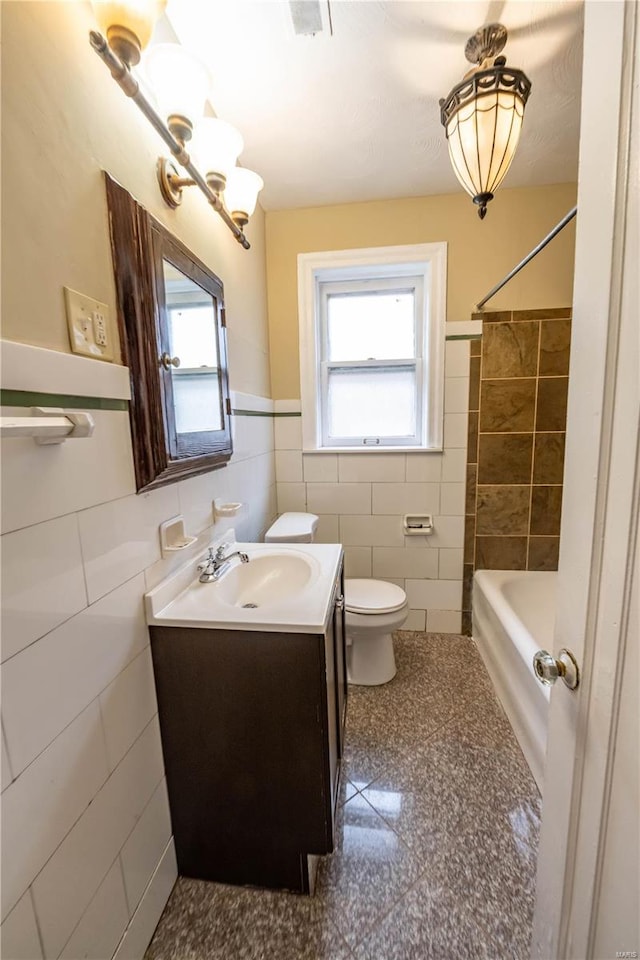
(252,733)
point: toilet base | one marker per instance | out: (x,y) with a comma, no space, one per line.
(370,660)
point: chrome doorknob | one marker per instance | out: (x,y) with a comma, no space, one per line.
(547,668)
(167,361)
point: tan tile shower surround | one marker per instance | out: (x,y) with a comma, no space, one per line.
(517,417)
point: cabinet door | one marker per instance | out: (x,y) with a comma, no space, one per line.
(339,634)
(333,738)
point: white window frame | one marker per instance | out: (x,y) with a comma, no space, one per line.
(428,261)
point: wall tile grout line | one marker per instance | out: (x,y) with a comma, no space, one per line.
(29,890)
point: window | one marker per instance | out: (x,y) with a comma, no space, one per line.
(371,348)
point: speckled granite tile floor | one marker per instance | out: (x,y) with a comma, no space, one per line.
(436,837)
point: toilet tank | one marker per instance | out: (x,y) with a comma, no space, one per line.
(292,528)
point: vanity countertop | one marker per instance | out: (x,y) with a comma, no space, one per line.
(284,587)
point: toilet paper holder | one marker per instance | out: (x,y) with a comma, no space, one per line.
(418,524)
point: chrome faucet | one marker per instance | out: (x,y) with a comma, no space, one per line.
(216,564)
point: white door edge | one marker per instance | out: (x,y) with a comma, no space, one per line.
(600,494)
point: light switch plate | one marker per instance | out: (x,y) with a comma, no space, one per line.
(89,326)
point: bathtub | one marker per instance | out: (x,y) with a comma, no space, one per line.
(513,616)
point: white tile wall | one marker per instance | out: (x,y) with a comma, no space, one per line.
(456,395)
(291,496)
(40,483)
(289,465)
(444,621)
(450,564)
(328,529)
(42,581)
(98,932)
(66,885)
(87,849)
(288,433)
(361,499)
(386,467)
(127,705)
(455,430)
(452,497)
(416,620)
(120,538)
(339,498)
(19,933)
(434,594)
(392,498)
(145,845)
(424,467)
(145,919)
(320,467)
(401,562)
(49,683)
(357,562)
(454,465)
(43,803)
(371,531)
(7,775)
(456,358)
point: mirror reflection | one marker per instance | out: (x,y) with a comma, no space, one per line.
(191,318)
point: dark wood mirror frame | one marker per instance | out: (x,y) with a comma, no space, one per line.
(139,244)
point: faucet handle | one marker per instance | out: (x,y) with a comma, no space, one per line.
(206,563)
(219,552)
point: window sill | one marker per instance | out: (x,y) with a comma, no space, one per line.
(374,450)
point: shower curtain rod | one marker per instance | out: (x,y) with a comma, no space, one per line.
(533,253)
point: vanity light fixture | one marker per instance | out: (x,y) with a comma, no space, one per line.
(483,114)
(181,84)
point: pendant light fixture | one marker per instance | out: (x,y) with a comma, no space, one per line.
(483,114)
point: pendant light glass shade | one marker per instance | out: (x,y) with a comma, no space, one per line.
(128,25)
(483,118)
(181,85)
(241,193)
(216,147)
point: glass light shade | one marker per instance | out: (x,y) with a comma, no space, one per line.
(130,22)
(241,193)
(216,146)
(179,80)
(482,137)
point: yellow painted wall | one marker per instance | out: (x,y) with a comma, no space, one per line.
(480,253)
(64,120)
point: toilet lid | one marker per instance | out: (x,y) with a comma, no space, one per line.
(292,528)
(373,596)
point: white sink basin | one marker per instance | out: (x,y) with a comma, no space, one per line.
(282,587)
(265,580)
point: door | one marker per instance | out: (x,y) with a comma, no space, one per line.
(599,530)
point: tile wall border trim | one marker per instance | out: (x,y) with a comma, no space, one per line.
(463,329)
(29,398)
(264,413)
(33,369)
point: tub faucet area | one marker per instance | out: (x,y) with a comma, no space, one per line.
(216,564)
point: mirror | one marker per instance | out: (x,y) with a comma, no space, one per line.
(172,327)
(195,380)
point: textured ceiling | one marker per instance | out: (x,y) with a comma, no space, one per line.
(354,115)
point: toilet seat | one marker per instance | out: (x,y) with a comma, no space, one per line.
(373,597)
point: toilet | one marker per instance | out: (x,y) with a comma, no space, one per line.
(374,609)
